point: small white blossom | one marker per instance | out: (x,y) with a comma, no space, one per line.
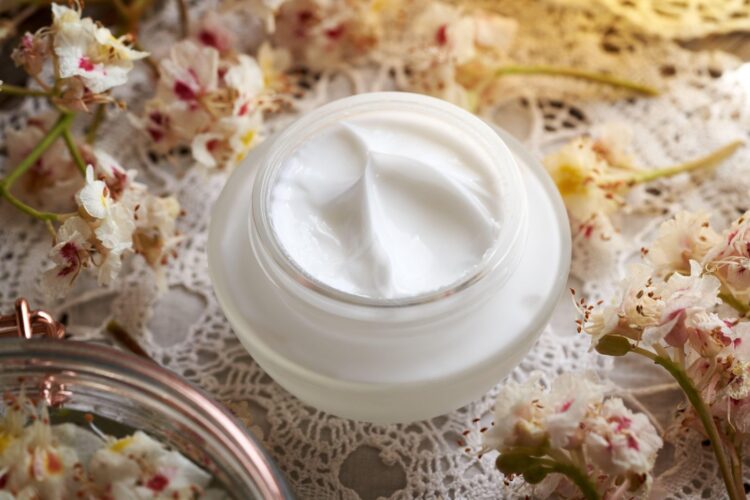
(90,52)
(140,465)
(730,258)
(681,239)
(685,316)
(519,413)
(569,400)
(94,197)
(638,306)
(621,442)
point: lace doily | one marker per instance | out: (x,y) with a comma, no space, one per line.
(706,103)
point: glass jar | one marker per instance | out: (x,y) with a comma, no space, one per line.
(140,395)
(389,360)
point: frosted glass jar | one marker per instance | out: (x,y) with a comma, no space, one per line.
(389,359)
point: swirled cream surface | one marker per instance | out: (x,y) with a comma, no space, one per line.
(387,205)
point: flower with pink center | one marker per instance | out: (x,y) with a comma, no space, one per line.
(212,31)
(686,315)
(730,259)
(619,441)
(31,53)
(519,415)
(189,73)
(70,254)
(569,400)
(88,52)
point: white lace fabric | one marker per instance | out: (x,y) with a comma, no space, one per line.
(705,103)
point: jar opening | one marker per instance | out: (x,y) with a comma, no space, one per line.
(388,200)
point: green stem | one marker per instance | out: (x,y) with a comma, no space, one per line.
(703,413)
(516,69)
(74,152)
(101,112)
(734,302)
(16,90)
(576,475)
(706,161)
(735,449)
(60,126)
(23,207)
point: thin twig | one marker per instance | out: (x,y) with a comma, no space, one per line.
(712,159)
(23,91)
(519,69)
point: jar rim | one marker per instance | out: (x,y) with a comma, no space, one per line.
(513,198)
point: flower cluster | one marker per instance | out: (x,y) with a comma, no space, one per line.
(212,98)
(116,216)
(686,309)
(572,437)
(434,47)
(594,175)
(86,59)
(41,460)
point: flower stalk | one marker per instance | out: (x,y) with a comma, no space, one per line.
(74,152)
(704,414)
(22,91)
(519,69)
(60,128)
(710,160)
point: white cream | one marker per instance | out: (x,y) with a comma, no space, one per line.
(387,204)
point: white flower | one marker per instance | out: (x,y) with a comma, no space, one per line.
(90,52)
(519,410)
(116,229)
(140,465)
(569,400)
(212,31)
(246,80)
(681,239)
(730,259)
(109,170)
(69,255)
(619,441)
(215,106)
(227,143)
(94,196)
(638,306)
(33,463)
(156,233)
(581,176)
(685,316)
(189,73)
